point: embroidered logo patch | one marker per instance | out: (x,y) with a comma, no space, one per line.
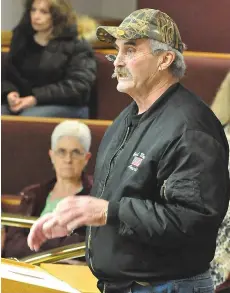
(138,157)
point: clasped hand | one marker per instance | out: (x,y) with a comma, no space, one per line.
(17,103)
(70,213)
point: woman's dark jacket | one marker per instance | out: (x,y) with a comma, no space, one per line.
(32,204)
(64,75)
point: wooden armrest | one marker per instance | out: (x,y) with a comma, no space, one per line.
(10,202)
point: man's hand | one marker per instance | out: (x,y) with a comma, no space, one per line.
(76,211)
(37,236)
(70,213)
(23,103)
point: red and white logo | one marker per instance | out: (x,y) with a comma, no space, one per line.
(137,160)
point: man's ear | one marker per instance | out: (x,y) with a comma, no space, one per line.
(166,60)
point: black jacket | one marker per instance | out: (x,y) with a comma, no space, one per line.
(168,191)
(65,74)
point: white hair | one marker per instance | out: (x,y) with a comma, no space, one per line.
(75,129)
(178,66)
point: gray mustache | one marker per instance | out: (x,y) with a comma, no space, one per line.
(120,71)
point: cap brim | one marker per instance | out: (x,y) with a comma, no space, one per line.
(109,34)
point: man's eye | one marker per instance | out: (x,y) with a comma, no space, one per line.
(130,50)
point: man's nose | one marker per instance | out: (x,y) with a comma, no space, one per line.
(119,61)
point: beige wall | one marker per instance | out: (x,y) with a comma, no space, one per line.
(117,8)
(105,8)
(11,10)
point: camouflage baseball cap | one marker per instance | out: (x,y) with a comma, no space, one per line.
(144,23)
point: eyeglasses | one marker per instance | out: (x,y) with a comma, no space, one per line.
(74,154)
(111,57)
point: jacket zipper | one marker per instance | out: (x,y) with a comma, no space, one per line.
(104,289)
(164,190)
(106,179)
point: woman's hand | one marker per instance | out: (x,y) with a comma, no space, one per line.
(13,99)
(22,103)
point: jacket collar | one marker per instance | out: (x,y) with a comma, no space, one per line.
(156,107)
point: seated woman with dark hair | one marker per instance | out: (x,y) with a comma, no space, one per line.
(49,71)
(70,143)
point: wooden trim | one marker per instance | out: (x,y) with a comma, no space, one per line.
(186,53)
(7,35)
(55,120)
(6,38)
(14,200)
(5,49)
(105,48)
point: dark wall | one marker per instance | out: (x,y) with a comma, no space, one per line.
(204,24)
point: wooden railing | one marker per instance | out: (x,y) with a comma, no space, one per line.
(50,256)
(57,254)
(17,220)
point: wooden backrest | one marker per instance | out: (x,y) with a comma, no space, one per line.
(10,203)
(204,25)
(25,145)
(205,72)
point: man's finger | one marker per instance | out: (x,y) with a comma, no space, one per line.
(66,204)
(36,234)
(48,225)
(76,223)
(64,218)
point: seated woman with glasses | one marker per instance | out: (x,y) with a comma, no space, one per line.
(69,154)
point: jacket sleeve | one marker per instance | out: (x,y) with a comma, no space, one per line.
(16,238)
(194,197)
(16,243)
(7,86)
(76,86)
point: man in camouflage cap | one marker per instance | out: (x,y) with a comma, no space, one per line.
(150,32)
(161,181)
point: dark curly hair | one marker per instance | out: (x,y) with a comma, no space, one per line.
(63,15)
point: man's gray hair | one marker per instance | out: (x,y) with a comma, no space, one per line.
(75,129)
(178,66)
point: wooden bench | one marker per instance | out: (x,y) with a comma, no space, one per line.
(25,145)
(205,72)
